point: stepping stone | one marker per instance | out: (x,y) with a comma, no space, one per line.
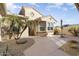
(63,41)
(59,42)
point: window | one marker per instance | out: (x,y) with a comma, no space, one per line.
(42,26)
(50,26)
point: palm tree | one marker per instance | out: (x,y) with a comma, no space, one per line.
(16,25)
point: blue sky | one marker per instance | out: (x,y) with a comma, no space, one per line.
(65,11)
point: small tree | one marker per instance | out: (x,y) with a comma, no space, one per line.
(16,25)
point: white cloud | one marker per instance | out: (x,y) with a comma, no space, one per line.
(11,7)
(57,5)
(53,5)
(34,4)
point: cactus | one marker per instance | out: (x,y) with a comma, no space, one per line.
(6,51)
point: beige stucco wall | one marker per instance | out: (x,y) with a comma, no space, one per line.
(32,13)
(25,33)
(48,19)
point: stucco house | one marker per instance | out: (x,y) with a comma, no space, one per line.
(41,25)
(44,24)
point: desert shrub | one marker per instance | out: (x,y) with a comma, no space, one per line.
(56,31)
(73,44)
(73,41)
(74,31)
(78,30)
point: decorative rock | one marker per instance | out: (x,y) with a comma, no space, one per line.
(21,41)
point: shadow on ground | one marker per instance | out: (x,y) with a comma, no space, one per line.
(16,49)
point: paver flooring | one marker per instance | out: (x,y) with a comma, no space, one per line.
(44,46)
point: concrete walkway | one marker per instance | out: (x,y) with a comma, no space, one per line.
(57,40)
(44,46)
